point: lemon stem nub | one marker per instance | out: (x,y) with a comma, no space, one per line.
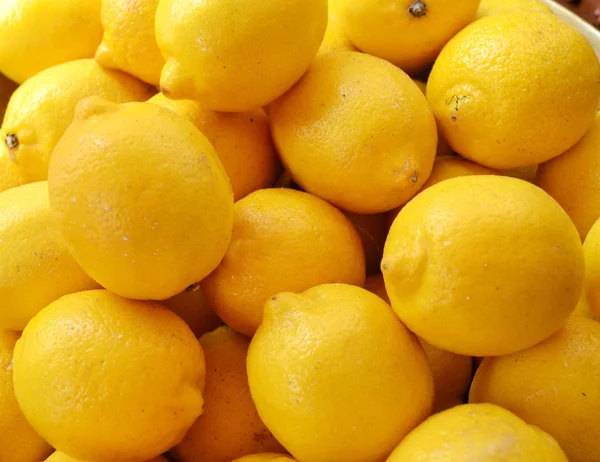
(417,9)
(11,142)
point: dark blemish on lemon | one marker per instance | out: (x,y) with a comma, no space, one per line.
(417,9)
(456,99)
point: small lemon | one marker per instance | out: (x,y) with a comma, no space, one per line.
(142,199)
(554,385)
(408,33)
(18,441)
(42,108)
(477,432)
(230,426)
(237,55)
(573,179)
(37,267)
(128,42)
(101,377)
(283,241)
(357,132)
(242,141)
(490,7)
(591,252)
(515,89)
(336,376)
(38,34)
(483,265)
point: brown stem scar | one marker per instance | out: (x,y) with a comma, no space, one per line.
(417,9)
(11,143)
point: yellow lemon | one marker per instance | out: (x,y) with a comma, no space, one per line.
(229,426)
(42,108)
(266,457)
(237,55)
(452,373)
(477,432)
(490,7)
(483,265)
(38,34)
(7,87)
(357,132)
(193,307)
(515,89)
(591,252)
(283,240)
(62,457)
(573,179)
(408,33)
(335,38)
(554,385)
(128,42)
(242,141)
(144,204)
(336,376)
(18,441)
(101,377)
(37,267)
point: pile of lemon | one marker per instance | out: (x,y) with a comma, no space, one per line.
(298,230)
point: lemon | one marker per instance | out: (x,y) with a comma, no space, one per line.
(515,89)
(38,34)
(554,385)
(283,241)
(237,55)
(477,432)
(357,132)
(242,141)
(483,265)
(37,267)
(142,199)
(230,426)
(18,441)
(128,42)
(336,376)
(573,179)
(101,377)
(42,108)
(490,7)
(408,33)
